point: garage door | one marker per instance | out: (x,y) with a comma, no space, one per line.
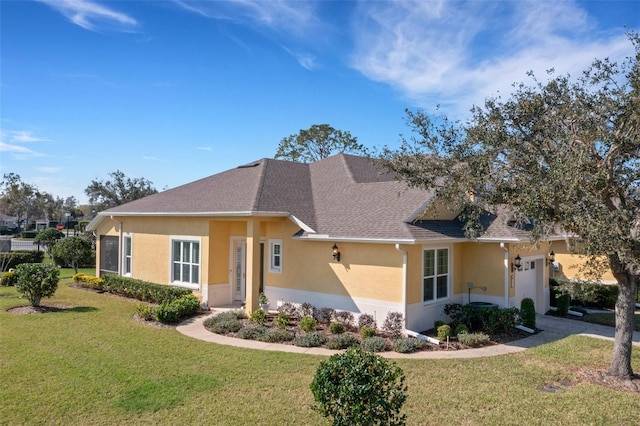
(528,282)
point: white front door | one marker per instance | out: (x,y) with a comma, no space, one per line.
(238,267)
(529,283)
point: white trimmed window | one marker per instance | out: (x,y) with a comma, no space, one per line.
(435,274)
(275,256)
(126,255)
(185,263)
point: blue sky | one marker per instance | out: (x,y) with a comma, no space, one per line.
(177,90)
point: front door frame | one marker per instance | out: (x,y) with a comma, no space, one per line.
(238,268)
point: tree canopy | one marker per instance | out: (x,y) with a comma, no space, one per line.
(317,142)
(563,153)
(119,190)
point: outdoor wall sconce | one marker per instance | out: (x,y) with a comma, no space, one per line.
(517,264)
(551,258)
(335,252)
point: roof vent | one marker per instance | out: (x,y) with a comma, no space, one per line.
(248,166)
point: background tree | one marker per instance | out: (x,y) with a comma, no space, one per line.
(37,280)
(18,198)
(119,190)
(564,153)
(359,388)
(318,142)
(48,238)
(72,251)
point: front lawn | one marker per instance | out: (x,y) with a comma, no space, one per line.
(93,364)
(609,318)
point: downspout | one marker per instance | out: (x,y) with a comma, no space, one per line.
(506,275)
(119,243)
(404,283)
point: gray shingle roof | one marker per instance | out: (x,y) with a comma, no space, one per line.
(342,197)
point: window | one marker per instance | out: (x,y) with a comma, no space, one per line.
(185,263)
(108,254)
(435,275)
(126,250)
(275,262)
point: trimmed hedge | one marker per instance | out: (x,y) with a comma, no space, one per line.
(584,293)
(174,311)
(142,290)
(89,281)
(18,257)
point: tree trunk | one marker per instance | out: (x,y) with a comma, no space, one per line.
(625,311)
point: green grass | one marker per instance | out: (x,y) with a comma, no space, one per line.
(609,318)
(93,364)
(70,272)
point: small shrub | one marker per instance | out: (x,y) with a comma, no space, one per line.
(342,341)
(324,315)
(176,310)
(345,318)
(366,320)
(282,320)
(374,344)
(223,324)
(310,340)
(8,279)
(474,339)
(444,331)
(528,313)
(37,280)
(88,281)
(367,332)
(142,290)
(460,329)
(407,345)
(437,324)
(258,317)
(563,300)
(145,311)
(289,309)
(276,335)
(499,320)
(359,388)
(456,312)
(394,324)
(336,328)
(307,310)
(308,324)
(252,333)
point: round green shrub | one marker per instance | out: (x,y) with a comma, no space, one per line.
(282,320)
(171,312)
(374,344)
(367,332)
(444,331)
(308,324)
(9,279)
(437,324)
(528,313)
(359,388)
(37,280)
(407,345)
(460,329)
(145,311)
(342,341)
(336,328)
(258,317)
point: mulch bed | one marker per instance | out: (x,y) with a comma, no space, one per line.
(42,309)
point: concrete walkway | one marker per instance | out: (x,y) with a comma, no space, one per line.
(553,329)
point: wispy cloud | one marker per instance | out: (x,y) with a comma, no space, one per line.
(204,148)
(150,158)
(93,16)
(458,53)
(306,60)
(51,169)
(12,142)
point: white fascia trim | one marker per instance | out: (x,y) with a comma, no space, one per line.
(198,214)
(301,224)
(497,240)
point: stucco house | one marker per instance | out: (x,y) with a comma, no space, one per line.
(339,232)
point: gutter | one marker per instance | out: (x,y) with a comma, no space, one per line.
(506,275)
(404,283)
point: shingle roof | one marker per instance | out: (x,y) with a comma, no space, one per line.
(341,197)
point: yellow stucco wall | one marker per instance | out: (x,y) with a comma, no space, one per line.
(569,265)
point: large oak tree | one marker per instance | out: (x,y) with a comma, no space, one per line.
(564,153)
(119,190)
